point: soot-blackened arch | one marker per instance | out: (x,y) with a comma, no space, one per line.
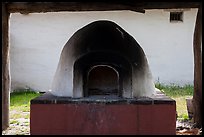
(102,43)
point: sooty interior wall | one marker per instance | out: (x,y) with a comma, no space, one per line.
(102,43)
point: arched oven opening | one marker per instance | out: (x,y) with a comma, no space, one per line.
(102,80)
(102,74)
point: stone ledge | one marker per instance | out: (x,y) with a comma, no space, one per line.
(49,98)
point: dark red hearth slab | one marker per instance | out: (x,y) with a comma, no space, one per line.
(68,116)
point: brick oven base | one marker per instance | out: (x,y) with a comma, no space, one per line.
(68,116)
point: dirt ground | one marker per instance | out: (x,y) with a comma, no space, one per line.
(187,128)
(22,127)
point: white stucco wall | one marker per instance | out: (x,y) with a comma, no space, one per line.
(36,41)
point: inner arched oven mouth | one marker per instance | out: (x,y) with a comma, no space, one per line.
(102,80)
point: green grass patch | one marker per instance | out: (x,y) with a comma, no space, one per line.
(175,90)
(20,103)
(22,97)
(14,121)
(179,94)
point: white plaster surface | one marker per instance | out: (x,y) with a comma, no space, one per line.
(37,39)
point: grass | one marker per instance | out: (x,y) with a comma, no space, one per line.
(179,94)
(20,103)
(175,90)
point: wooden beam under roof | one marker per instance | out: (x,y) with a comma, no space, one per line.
(30,7)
